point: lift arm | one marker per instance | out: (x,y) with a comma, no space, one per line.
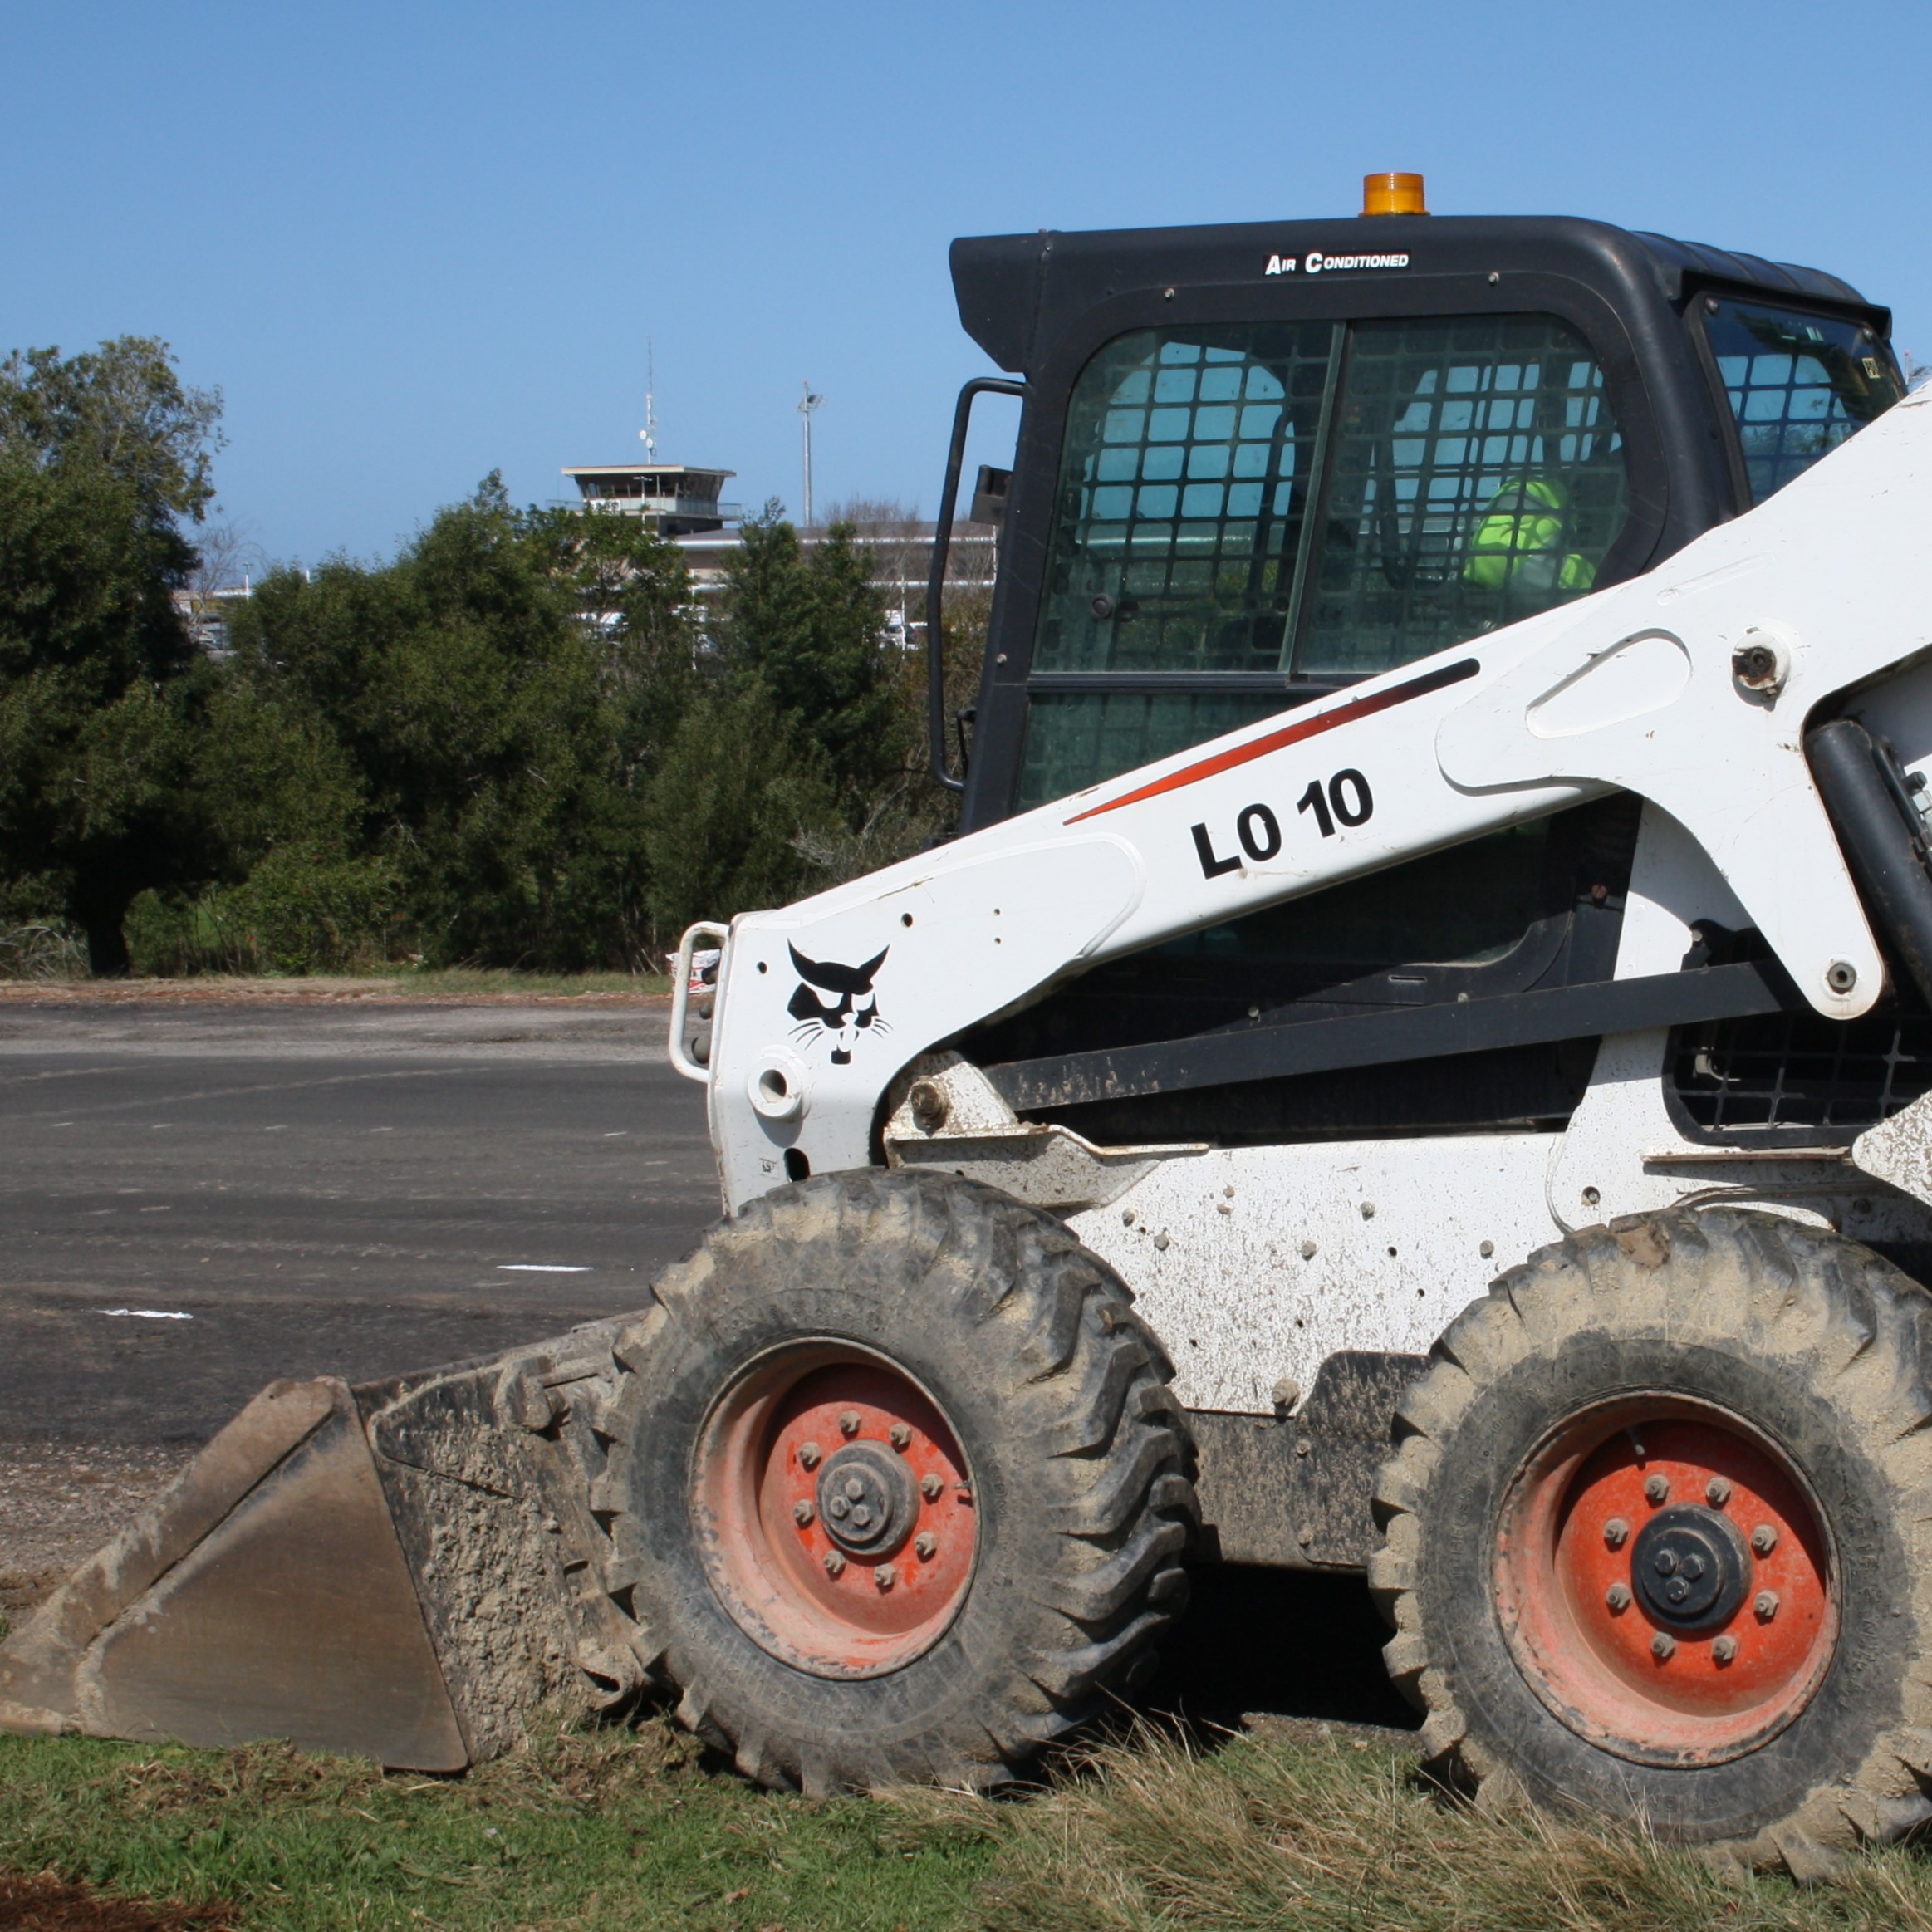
(1690,686)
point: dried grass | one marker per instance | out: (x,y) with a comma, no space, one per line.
(1155,1834)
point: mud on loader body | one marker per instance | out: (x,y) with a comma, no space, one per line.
(1414,1065)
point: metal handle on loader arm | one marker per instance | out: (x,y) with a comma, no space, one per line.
(942,550)
(681,993)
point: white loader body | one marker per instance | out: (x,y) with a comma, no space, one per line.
(1256,1263)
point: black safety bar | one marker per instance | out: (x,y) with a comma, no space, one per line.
(1884,838)
(942,549)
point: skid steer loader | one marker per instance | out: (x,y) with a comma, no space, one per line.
(1415,1064)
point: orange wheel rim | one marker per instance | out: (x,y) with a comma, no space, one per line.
(835,1510)
(1664,1580)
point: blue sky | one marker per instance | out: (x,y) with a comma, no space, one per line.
(414,243)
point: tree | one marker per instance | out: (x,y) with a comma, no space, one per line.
(504,692)
(810,627)
(729,821)
(103,456)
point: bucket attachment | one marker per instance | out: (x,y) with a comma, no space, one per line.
(400,1571)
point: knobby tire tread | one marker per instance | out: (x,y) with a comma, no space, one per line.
(1814,1306)
(1108,1500)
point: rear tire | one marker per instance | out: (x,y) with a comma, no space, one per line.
(1726,1406)
(970,1390)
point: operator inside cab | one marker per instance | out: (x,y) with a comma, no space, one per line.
(1521,543)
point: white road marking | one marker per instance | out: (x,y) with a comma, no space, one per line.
(149,1314)
(539,1268)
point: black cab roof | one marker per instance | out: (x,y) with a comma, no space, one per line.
(1017,293)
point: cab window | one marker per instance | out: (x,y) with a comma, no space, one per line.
(1182,490)
(1478,478)
(1798,385)
(1311,502)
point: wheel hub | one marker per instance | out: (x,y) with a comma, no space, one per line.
(1667,1631)
(834,1509)
(1691,1566)
(866,1499)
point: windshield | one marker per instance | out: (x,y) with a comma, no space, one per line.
(1799,384)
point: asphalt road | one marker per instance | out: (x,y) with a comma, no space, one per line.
(342,1189)
(359,1189)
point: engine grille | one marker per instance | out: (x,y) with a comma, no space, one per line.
(1798,1072)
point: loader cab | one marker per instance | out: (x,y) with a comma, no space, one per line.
(1257,462)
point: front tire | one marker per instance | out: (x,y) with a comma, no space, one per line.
(898,1483)
(1653,1541)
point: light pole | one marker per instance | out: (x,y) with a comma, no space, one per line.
(648,432)
(807,403)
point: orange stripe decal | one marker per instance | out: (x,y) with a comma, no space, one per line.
(1275,741)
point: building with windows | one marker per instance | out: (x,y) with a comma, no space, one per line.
(686,504)
(898,556)
(672,499)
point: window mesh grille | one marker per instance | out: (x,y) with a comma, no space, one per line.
(1078,739)
(1478,477)
(1799,385)
(1797,1070)
(1182,488)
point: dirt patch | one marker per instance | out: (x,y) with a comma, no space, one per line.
(60,1501)
(1273,1729)
(42,1903)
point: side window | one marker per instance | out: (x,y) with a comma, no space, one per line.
(1478,477)
(1798,385)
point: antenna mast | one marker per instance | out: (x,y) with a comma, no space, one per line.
(807,403)
(648,432)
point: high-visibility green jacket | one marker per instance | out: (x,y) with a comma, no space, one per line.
(1520,540)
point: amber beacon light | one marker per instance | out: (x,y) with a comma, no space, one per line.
(1392,194)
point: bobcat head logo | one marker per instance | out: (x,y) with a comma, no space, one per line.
(854,1011)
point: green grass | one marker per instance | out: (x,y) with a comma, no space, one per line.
(405,981)
(449,981)
(618,1830)
(608,1830)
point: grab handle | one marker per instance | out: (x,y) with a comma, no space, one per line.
(936,580)
(681,995)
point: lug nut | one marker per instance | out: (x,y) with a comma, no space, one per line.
(835,1564)
(1765,1604)
(809,1453)
(1717,1491)
(885,1576)
(1657,1489)
(1615,1532)
(1764,1539)
(1618,1597)
(929,1488)
(1725,1649)
(925,1542)
(801,1512)
(1663,1646)
(898,1435)
(849,1422)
